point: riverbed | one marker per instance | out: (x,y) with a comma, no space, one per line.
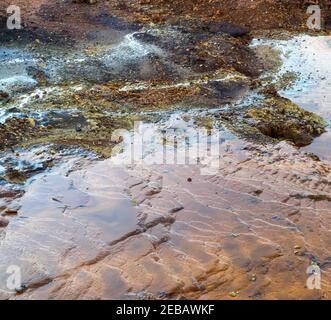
(170,203)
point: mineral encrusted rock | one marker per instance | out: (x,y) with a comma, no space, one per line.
(282,119)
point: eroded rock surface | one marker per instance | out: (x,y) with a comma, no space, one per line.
(169,232)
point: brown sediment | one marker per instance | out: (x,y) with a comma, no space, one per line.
(82,19)
(16,130)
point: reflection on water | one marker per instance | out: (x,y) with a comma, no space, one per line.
(310,56)
(107,230)
(175,140)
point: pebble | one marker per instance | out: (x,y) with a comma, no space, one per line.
(233,294)
(3,222)
(9,212)
(78,127)
(176,209)
(31,122)
(253,278)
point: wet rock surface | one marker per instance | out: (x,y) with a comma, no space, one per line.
(277,118)
(84,221)
(283,119)
(256,15)
(246,221)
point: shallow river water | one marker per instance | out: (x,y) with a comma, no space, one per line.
(308,57)
(245,224)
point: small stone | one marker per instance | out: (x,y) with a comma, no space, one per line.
(3,222)
(4,96)
(176,209)
(117,139)
(31,122)
(9,212)
(258,192)
(233,294)
(78,127)
(13,110)
(253,278)
(21,289)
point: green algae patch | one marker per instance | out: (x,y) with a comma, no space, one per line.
(281,119)
(240,128)
(286,80)
(204,122)
(94,132)
(269,56)
(16,130)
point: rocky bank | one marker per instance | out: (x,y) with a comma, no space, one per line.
(83,221)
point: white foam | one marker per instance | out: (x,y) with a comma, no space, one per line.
(128,50)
